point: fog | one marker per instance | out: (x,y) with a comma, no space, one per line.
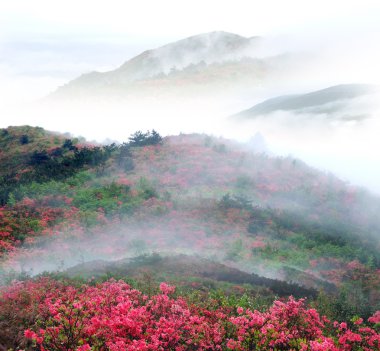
(187,217)
(114,243)
(344,142)
(190,219)
(346,146)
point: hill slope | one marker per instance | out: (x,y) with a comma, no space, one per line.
(327,100)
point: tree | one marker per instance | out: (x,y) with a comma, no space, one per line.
(142,139)
(155,138)
(68,144)
(24,139)
(137,139)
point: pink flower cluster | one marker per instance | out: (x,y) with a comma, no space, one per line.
(290,326)
(113,316)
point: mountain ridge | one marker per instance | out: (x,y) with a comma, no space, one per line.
(210,48)
(316,102)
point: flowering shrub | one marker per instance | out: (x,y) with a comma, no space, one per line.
(25,221)
(113,316)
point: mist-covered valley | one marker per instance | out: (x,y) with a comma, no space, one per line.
(189,194)
(203,190)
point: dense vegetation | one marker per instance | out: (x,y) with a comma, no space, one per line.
(65,202)
(52,315)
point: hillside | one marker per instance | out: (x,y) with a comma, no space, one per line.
(202,186)
(203,213)
(18,143)
(330,100)
(199,272)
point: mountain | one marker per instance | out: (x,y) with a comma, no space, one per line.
(325,101)
(231,228)
(192,53)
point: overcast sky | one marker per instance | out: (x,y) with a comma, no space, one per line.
(168,19)
(57,40)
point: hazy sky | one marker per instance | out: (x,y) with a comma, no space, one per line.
(168,19)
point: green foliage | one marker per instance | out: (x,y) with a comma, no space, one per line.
(42,163)
(244,182)
(349,302)
(24,139)
(260,219)
(106,197)
(235,201)
(234,250)
(220,148)
(4,132)
(207,141)
(60,164)
(68,145)
(37,190)
(143,139)
(146,189)
(124,158)
(329,238)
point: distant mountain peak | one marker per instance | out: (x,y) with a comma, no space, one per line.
(208,48)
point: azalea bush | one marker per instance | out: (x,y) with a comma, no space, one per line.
(57,316)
